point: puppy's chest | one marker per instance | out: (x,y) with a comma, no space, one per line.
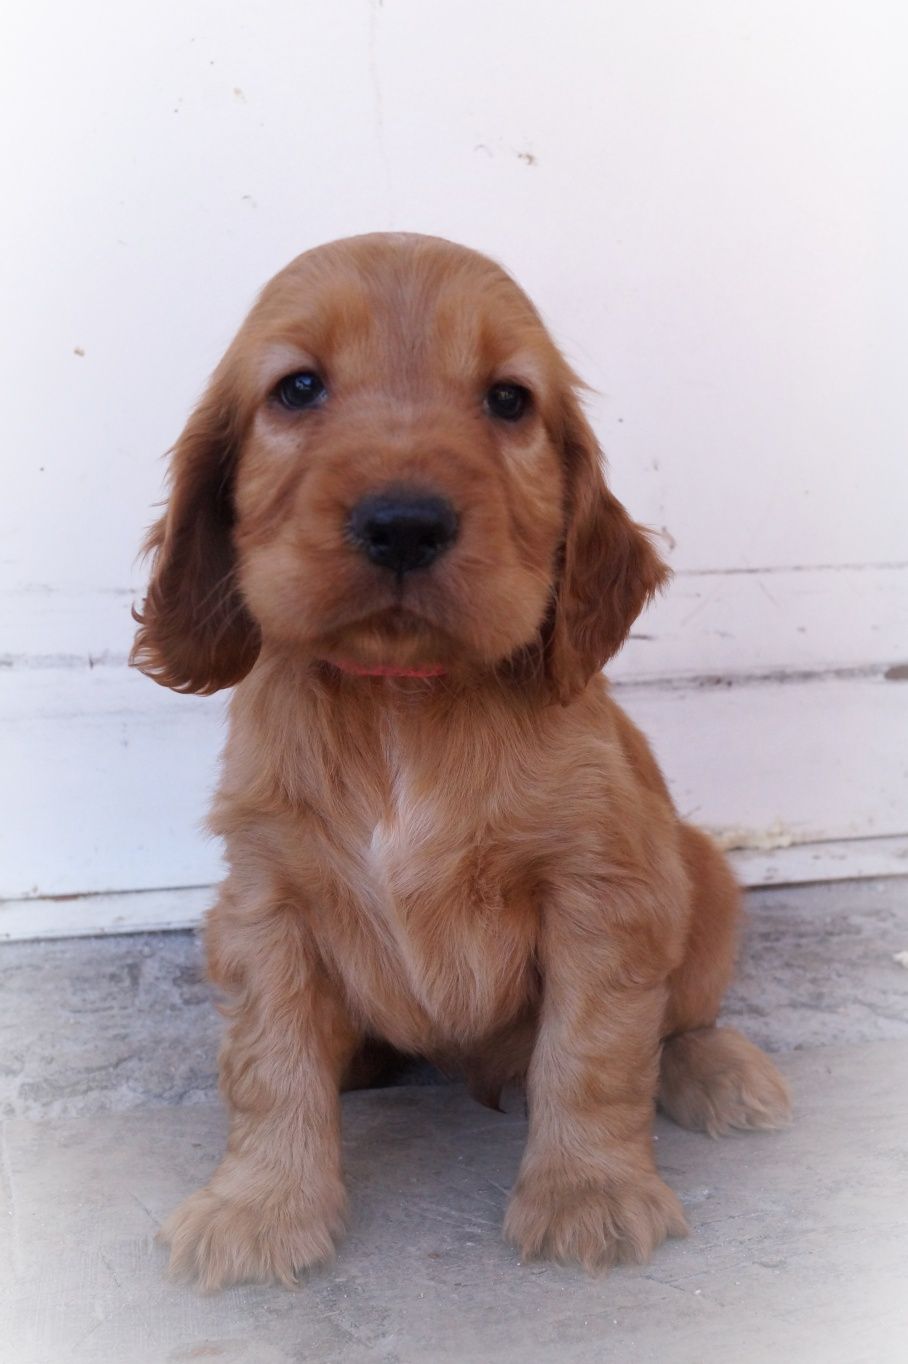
(441,906)
(421,853)
(405,841)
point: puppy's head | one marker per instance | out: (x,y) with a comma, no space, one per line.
(390,472)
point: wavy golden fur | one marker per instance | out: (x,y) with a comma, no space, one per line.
(444,837)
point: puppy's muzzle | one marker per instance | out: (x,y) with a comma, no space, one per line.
(402,531)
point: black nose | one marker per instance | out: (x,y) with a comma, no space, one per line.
(403,532)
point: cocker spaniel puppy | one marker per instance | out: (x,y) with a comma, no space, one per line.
(388,529)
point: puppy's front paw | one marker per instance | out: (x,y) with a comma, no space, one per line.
(595,1225)
(216,1240)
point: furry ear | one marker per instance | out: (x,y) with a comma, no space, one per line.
(195,633)
(609,566)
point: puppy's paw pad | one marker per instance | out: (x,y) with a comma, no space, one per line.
(216,1241)
(596,1226)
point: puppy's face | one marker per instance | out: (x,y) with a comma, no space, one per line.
(390,473)
(399,493)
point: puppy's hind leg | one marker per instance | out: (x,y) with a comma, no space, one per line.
(712,1079)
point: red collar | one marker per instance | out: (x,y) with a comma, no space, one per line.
(380,670)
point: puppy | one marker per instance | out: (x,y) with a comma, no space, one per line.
(388,529)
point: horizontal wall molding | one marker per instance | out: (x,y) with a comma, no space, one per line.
(776,702)
(108,780)
(724,623)
(153,910)
(770,623)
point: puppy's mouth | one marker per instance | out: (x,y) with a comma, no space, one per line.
(391,643)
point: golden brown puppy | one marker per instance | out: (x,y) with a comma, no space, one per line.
(388,527)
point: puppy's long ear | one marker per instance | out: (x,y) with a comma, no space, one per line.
(195,633)
(609,567)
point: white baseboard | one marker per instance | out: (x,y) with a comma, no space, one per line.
(146,910)
(79,916)
(850,859)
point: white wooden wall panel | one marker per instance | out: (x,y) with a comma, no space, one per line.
(707,202)
(112,776)
(753,620)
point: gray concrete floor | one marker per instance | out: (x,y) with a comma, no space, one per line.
(799,1240)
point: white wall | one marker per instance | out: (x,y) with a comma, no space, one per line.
(708,202)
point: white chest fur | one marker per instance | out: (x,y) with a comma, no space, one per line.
(438,931)
(401,841)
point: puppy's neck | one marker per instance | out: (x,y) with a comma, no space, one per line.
(427,701)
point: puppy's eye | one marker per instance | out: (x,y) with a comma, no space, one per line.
(508,401)
(300,390)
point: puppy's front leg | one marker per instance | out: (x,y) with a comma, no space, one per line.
(588,1190)
(276,1202)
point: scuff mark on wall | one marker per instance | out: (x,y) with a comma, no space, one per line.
(783,677)
(106,658)
(756,840)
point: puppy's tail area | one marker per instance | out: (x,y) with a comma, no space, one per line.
(713,1080)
